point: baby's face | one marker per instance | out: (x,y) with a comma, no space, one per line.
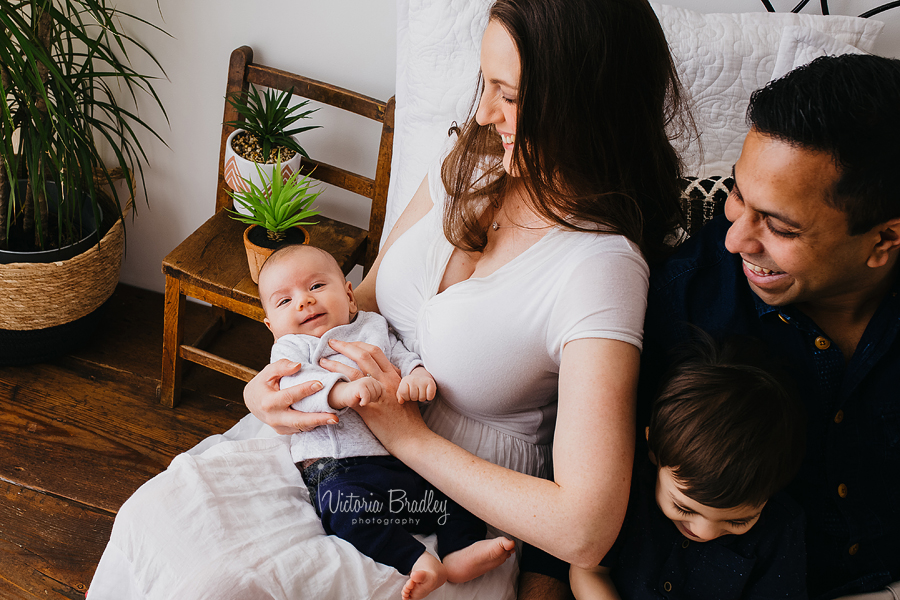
(699,522)
(305,292)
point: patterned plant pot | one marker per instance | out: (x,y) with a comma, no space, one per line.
(238,168)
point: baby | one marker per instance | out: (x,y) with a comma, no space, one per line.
(363,494)
(706,518)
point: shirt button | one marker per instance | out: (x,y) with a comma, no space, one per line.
(822,343)
(685,543)
(842,491)
(853,549)
(839,416)
(667,586)
(783,318)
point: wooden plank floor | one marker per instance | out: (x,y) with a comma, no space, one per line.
(80,434)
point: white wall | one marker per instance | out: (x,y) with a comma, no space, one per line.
(350,43)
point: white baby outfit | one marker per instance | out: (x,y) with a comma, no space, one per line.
(350,437)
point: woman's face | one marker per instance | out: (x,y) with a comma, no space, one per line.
(498,104)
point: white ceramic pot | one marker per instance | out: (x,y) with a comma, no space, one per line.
(238,168)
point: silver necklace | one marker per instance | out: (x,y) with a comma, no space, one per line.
(495,226)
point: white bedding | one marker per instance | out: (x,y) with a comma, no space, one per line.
(721,57)
(271,543)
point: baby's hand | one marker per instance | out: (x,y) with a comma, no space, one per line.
(347,394)
(418,386)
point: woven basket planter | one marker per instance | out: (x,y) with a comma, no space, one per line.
(39,302)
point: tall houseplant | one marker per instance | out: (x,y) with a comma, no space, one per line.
(62,64)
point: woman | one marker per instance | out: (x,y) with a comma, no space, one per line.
(517,271)
(568,140)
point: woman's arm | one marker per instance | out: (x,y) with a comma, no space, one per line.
(263,394)
(577,516)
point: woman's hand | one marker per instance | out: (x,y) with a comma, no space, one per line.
(371,361)
(390,421)
(272,405)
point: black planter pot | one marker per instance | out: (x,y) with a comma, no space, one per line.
(89,238)
(18,348)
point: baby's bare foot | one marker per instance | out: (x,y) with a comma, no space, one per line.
(427,575)
(477,559)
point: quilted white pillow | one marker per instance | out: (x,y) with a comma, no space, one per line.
(721,57)
(800,45)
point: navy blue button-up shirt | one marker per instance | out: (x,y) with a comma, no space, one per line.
(849,484)
(651,560)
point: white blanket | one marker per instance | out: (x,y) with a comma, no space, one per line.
(232,519)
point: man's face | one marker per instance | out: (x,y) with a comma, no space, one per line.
(794,245)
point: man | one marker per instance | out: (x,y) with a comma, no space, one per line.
(806,260)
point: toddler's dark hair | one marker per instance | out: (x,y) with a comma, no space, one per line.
(728,424)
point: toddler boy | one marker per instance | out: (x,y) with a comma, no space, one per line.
(363,494)
(705,517)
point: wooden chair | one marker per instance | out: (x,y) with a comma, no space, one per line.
(211,264)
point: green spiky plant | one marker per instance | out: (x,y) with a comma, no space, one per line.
(278,205)
(269,117)
(62,64)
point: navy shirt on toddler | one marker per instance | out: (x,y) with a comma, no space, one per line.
(651,559)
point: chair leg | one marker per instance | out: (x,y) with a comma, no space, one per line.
(173,336)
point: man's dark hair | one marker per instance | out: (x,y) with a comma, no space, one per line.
(728,424)
(849,107)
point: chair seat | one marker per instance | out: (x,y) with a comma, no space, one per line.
(212,262)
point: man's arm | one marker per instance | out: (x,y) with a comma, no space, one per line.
(534,586)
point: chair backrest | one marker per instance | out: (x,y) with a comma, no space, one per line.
(242,71)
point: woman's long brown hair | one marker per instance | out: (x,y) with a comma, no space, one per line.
(597,92)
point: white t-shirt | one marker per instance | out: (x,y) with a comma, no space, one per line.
(494,344)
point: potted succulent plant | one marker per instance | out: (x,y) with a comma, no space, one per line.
(264,136)
(275,211)
(62,65)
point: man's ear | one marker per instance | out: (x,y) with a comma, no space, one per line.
(886,244)
(354,308)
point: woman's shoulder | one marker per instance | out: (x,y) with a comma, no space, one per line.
(596,247)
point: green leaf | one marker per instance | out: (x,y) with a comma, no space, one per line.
(63,116)
(277,205)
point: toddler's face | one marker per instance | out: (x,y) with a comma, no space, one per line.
(698,522)
(305,292)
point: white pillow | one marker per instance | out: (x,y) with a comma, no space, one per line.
(801,45)
(721,57)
